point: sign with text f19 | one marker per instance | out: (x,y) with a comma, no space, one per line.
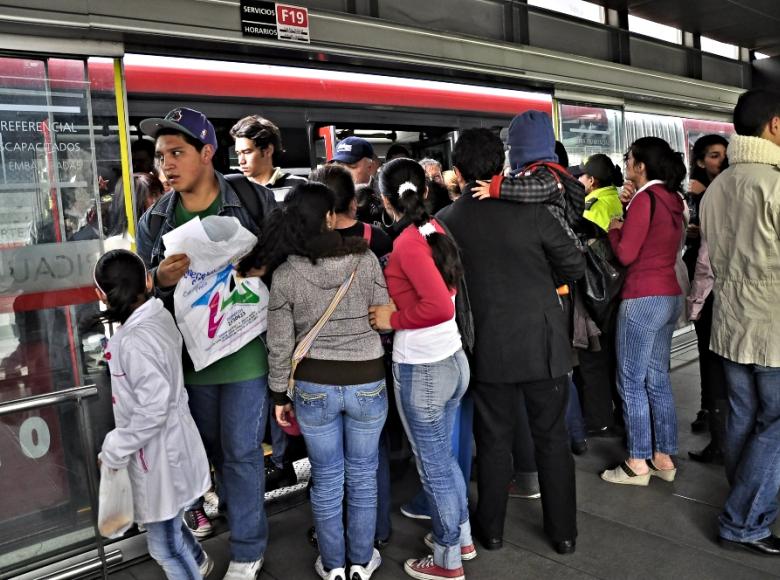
(264,19)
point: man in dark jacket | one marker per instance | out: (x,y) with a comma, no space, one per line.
(227,398)
(515,255)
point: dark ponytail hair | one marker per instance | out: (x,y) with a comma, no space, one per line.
(616,178)
(402,182)
(661,162)
(121,276)
(291,229)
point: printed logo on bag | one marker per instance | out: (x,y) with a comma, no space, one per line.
(212,298)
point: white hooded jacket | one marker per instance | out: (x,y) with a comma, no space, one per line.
(155,436)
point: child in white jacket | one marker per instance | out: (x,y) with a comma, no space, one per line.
(155,436)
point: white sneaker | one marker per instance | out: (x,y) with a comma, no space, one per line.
(211,504)
(364,572)
(335,574)
(206,566)
(243,570)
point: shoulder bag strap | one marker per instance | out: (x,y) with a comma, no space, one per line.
(302,348)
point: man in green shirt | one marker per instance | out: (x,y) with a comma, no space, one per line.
(227,398)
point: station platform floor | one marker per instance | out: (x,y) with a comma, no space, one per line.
(663,531)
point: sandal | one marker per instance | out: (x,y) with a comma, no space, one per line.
(623,474)
(665,474)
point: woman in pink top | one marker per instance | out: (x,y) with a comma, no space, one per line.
(648,244)
(429,365)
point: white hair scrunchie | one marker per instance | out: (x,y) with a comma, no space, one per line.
(427,229)
(406,186)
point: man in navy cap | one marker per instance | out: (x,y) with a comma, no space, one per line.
(357,155)
(227,398)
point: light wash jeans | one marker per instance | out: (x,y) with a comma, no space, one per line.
(428,396)
(341,427)
(752,451)
(644,341)
(174,548)
(231,421)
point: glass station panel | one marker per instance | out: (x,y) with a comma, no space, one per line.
(54,224)
(586,131)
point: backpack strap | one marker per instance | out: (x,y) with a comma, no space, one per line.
(651,195)
(156,220)
(553,168)
(248,196)
(367,232)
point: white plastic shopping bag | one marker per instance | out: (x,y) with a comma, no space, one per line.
(217,311)
(115,509)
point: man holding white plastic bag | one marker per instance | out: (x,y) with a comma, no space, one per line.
(227,397)
(217,311)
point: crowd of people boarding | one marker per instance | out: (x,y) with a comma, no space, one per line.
(506,310)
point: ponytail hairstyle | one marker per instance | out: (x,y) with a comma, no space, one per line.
(616,178)
(121,276)
(402,182)
(291,229)
(661,162)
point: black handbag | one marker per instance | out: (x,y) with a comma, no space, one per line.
(603,279)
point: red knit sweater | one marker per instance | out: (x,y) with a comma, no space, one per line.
(650,248)
(415,284)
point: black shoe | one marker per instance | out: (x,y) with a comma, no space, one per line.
(565,546)
(769,546)
(702,422)
(491,543)
(579,447)
(606,432)
(709,454)
(311,536)
(277,477)
(381,544)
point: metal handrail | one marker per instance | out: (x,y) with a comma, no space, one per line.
(47,399)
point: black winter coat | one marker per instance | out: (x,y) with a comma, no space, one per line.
(515,255)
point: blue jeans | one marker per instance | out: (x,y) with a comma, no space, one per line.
(231,421)
(428,396)
(643,342)
(174,548)
(752,451)
(341,427)
(574,421)
(383,501)
(461,447)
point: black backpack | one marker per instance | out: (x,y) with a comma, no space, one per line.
(463,316)
(247,193)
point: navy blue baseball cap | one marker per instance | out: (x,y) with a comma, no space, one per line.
(188,121)
(353,149)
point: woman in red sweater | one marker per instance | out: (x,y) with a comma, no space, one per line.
(429,366)
(648,243)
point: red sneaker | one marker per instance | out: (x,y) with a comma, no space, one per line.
(425,569)
(466,552)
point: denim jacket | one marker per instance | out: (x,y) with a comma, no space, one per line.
(152,250)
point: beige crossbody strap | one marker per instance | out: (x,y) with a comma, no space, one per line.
(302,349)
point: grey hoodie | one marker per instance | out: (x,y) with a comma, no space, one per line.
(300,294)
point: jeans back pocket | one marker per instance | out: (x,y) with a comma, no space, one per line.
(310,408)
(373,402)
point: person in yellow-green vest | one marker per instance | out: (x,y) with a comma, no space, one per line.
(595,375)
(601,179)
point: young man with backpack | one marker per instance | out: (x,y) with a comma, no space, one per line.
(228,398)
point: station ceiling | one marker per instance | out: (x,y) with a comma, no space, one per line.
(752,24)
